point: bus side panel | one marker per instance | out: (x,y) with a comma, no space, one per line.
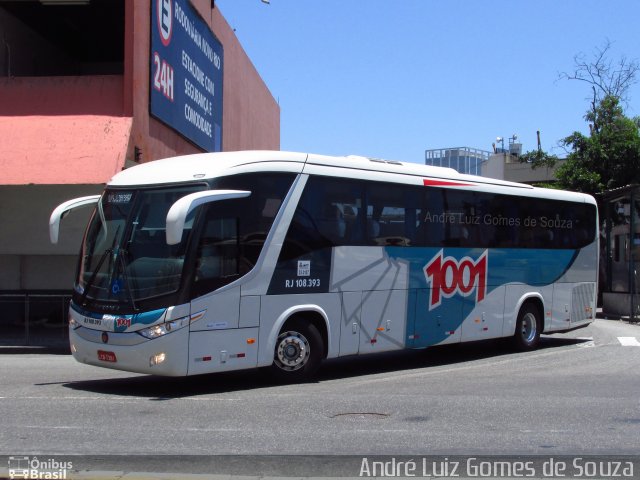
(561,311)
(221,310)
(459,319)
(437,326)
(486,320)
(249,311)
(384,315)
(222,350)
(584,267)
(574,304)
(447,287)
(380,283)
(466,294)
(350,325)
(574,296)
(366,269)
(277,309)
(216,343)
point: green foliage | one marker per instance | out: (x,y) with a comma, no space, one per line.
(539,159)
(574,175)
(550,185)
(609,157)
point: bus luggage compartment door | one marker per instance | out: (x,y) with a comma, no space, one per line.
(384,320)
(350,323)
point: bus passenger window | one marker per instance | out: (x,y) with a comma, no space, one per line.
(218,260)
(387,214)
(331,224)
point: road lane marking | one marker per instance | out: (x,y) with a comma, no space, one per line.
(629,341)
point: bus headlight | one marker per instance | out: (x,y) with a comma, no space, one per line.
(157,359)
(164,328)
(73,323)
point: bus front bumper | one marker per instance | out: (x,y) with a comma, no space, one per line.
(166,355)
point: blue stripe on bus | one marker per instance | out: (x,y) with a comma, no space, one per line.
(144,318)
(430,323)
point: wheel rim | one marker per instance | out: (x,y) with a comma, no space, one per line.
(529,327)
(292,351)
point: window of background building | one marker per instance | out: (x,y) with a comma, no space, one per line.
(51,40)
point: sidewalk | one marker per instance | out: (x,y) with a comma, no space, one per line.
(601,316)
(34,349)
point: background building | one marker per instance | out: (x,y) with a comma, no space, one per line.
(87,88)
(501,164)
(506,166)
(462,159)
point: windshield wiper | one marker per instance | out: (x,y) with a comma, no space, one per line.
(92,279)
(125,275)
(90,283)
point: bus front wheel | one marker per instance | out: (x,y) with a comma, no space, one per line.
(528,327)
(298,352)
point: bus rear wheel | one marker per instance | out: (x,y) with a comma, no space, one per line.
(298,352)
(528,327)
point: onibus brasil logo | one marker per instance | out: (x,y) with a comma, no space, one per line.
(34,468)
(448,277)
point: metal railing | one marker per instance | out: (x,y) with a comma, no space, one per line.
(34,319)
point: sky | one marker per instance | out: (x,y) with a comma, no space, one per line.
(391,79)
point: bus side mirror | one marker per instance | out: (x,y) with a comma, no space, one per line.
(178,212)
(61,210)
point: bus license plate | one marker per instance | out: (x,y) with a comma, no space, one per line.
(107,356)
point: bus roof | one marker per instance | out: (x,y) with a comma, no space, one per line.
(190,168)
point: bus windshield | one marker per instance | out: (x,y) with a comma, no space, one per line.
(124,256)
(125,259)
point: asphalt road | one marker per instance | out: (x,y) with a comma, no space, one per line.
(579,394)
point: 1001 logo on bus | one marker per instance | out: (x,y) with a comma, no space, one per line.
(448,277)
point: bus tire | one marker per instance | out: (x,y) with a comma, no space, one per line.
(298,352)
(528,327)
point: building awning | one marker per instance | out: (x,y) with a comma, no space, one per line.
(62,149)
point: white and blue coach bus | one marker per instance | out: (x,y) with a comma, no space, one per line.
(226,261)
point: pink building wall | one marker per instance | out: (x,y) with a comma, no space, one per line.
(62,130)
(82,130)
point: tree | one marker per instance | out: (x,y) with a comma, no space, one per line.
(539,159)
(607,79)
(609,157)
